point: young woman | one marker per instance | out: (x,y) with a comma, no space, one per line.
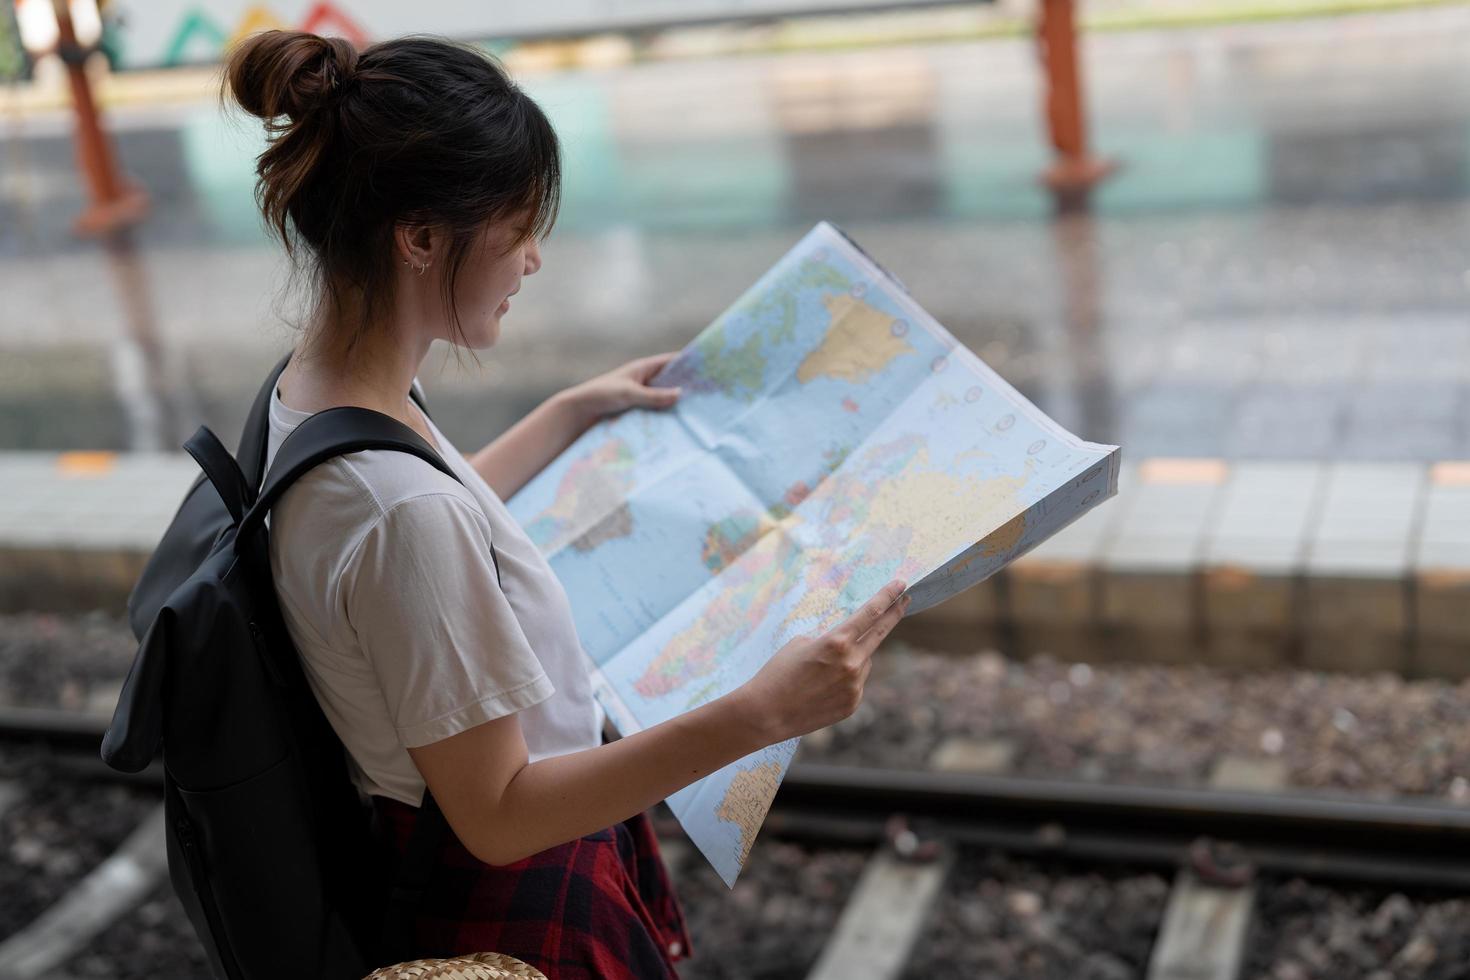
(412,183)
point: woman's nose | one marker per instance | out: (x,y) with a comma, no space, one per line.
(533,257)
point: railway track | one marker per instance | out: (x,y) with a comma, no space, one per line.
(913,823)
(104,893)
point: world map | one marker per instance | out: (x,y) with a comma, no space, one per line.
(831,436)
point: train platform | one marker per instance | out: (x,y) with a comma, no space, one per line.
(1345,566)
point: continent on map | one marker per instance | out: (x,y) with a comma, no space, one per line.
(798,491)
(711,365)
(997,544)
(590,506)
(728,539)
(858,345)
(854,572)
(729,356)
(1004,539)
(893,513)
(746,801)
(757,579)
(617,524)
(777,308)
(937,507)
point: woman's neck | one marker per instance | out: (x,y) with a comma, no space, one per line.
(377,374)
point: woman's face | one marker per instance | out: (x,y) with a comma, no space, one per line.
(491,275)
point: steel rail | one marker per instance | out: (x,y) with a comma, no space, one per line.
(1418,842)
(67,731)
(1400,841)
(76,739)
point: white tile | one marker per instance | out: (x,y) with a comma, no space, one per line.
(1442,555)
(1270,555)
(1153,554)
(1389,559)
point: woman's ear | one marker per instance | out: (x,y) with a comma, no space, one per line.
(413,246)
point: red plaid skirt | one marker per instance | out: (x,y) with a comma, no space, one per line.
(599,906)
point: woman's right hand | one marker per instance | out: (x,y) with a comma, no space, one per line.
(813,682)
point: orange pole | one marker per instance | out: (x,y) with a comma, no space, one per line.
(115,202)
(1074,171)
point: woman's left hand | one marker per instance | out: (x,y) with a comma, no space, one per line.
(623,388)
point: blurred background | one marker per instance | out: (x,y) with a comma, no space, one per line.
(1216,729)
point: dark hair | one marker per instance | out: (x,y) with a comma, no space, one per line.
(417,130)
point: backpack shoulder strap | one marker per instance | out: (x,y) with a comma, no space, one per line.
(220,469)
(327,435)
(251,452)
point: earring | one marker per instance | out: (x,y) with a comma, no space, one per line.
(423,267)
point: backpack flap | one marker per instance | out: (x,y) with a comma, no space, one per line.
(194,528)
(199,519)
(197,687)
(132,739)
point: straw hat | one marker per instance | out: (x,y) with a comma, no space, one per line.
(476,966)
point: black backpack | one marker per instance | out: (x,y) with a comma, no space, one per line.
(270,849)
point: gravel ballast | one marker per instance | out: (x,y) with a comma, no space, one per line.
(76,663)
(1376,734)
(1002,918)
(1143,723)
(59,830)
(998,916)
(154,942)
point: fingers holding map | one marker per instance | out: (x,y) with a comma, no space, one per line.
(831,437)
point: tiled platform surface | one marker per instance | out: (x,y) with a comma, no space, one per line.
(1333,565)
(76,528)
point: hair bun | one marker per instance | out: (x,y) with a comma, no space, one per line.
(288,73)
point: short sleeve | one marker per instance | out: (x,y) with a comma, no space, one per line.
(424,600)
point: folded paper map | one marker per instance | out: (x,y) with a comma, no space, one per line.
(831,437)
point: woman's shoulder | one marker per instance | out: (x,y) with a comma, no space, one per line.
(344,503)
(357,490)
(367,487)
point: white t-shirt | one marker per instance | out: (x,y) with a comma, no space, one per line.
(384,571)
